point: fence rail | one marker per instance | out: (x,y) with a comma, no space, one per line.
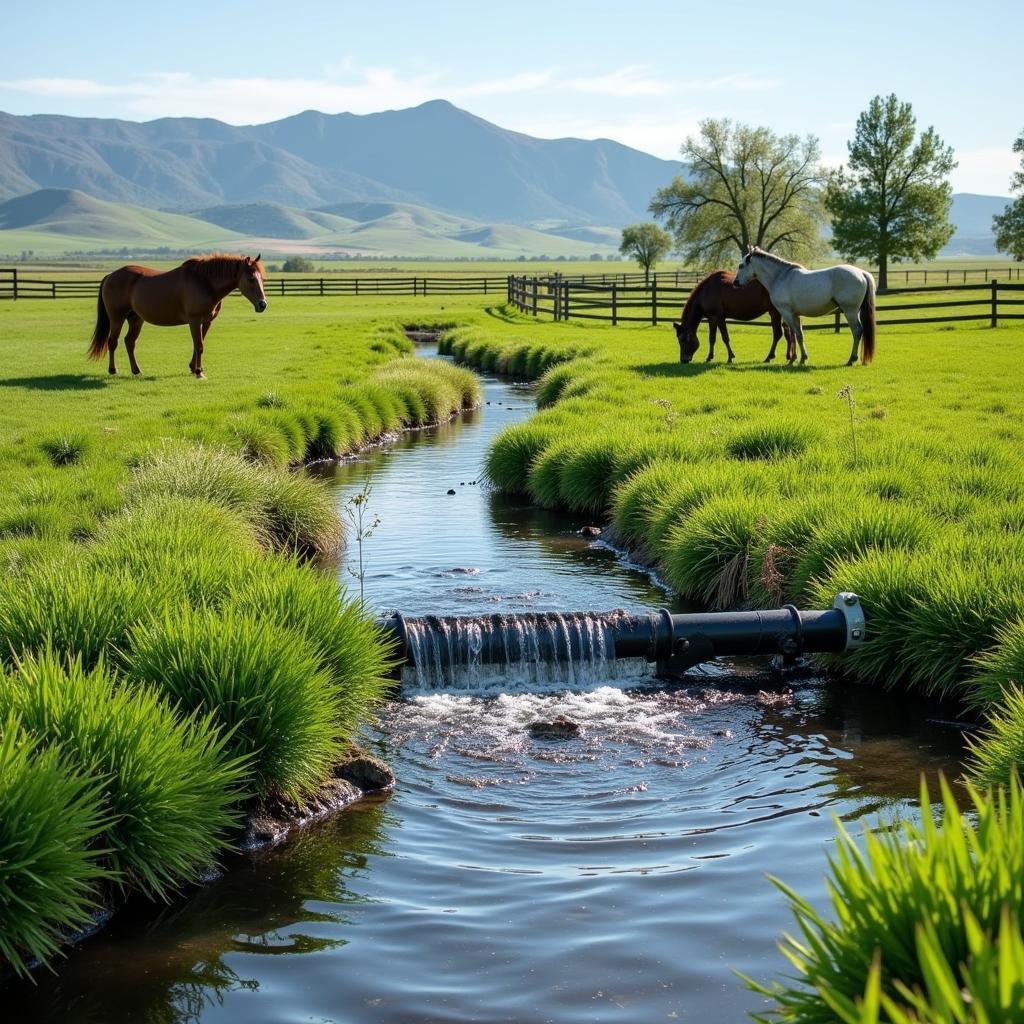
(14,284)
(615,303)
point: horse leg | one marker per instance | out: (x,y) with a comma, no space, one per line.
(134,330)
(776,334)
(712,338)
(116,323)
(798,332)
(196,365)
(725,338)
(853,319)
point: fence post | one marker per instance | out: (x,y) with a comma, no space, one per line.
(615,305)
(535,296)
(565,301)
(995,303)
(15,272)
(321,286)
(415,288)
(838,325)
(424,287)
(485,286)
(53,289)
(654,301)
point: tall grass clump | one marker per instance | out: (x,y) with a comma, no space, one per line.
(512,455)
(1000,667)
(588,476)
(170,791)
(346,641)
(260,681)
(286,511)
(708,552)
(66,448)
(544,482)
(187,549)
(258,439)
(889,583)
(635,500)
(926,923)
(50,818)
(770,441)
(997,755)
(854,528)
(70,606)
(965,608)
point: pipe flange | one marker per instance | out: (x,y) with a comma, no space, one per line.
(853,612)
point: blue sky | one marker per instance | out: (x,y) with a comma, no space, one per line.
(642,73)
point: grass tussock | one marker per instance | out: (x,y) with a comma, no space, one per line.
(262,683)
(927,922)
(51,817)
(170,792)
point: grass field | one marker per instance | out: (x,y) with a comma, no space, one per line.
(168,657)
(150,527)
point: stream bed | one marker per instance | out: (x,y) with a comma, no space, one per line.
(614,876)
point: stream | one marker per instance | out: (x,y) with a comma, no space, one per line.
(615,876)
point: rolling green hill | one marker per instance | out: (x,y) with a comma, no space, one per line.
(58,221)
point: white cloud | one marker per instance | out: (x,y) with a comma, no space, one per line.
(627,81)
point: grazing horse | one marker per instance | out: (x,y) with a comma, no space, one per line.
(715,298)
(796,291)
(190,294)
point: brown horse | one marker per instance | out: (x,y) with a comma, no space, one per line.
(190,294)
(716,298)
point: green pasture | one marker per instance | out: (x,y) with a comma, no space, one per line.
(169,657)
(903,481)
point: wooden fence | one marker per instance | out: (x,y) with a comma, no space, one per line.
(653,303)
(14,284)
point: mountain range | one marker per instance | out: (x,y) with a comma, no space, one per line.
(432,180)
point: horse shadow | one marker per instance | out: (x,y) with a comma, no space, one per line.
(682,370)
(56,382)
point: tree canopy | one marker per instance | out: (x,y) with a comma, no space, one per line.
(646,243)
(1009,225)
(892,201)
(744,186)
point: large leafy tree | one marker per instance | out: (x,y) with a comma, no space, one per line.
(745,186)
(892,200)
(645,243)
(1009,225)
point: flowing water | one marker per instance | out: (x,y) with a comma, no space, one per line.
(613,875)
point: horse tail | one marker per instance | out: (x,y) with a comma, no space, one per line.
(867,323)
(101,335)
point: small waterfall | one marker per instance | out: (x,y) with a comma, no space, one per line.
(518,652)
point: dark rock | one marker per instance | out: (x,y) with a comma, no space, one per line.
(591,531)
(560,727)
(273,820)
(451,490)
(369,773)
(724,734)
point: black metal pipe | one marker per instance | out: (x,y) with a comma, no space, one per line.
(678,642)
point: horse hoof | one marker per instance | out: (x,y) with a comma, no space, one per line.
(137,371)
(113,373)
(769,359)
(731,359)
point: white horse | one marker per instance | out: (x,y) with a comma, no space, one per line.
(796,291)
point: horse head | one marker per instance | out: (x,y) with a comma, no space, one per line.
(250,282)
(688,342)
(747,270)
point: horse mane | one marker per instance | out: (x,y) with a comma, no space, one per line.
(219,267)
(756,251)
(692,297)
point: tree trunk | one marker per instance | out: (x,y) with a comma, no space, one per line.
(883,262)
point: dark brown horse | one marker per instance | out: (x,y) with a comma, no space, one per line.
(190,294)
(716,299)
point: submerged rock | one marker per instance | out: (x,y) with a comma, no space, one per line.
(451,490)
(560,727)
(591,531)
(369,773)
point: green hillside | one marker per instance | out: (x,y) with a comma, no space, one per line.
(54,221)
